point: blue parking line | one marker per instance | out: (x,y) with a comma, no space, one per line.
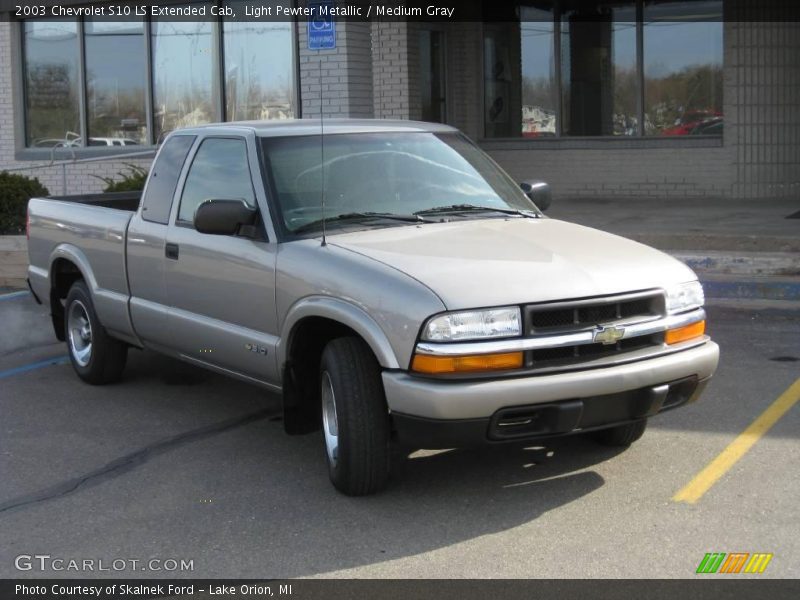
(58,360)
(13,295)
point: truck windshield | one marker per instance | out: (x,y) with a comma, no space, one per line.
(388,174)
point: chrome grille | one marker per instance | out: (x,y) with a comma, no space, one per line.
(578,314)
(586,314)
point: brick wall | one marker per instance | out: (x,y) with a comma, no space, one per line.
(340,80)
(80,178)
(395,58)
(763,82)
(650,172)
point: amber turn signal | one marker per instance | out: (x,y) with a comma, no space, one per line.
(424,363)
(682,334)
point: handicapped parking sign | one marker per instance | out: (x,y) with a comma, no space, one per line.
(321,27)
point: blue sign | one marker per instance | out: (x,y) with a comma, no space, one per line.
(321,27)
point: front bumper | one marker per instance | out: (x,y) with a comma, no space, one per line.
(433,409)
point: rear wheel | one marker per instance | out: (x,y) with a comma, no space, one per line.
(621,435)
(355,418)
(96,357)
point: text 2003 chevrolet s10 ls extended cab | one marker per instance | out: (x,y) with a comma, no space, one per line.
(434,305)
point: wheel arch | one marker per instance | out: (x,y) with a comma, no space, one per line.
(312,323)
(339,311)
(67,265)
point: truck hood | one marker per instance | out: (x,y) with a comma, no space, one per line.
(492,262)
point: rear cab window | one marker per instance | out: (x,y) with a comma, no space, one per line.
(164,174)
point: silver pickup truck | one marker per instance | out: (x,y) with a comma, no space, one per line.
(387,278)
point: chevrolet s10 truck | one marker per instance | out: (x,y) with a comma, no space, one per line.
(387,278)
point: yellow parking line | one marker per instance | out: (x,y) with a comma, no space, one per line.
(694,490)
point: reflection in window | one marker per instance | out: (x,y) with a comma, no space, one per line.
(51,83)
(598,66)
(184,82)
(599,88)
(519,78)
(115,82)
(683,68)
(539,91)
(258,69)
(219,171)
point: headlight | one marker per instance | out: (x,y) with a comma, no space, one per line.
(473,325)
(685,297)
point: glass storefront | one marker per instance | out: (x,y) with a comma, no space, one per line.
(258,69)
(605,68)
(184,78)
(52,105)
(200,72)
(115,82)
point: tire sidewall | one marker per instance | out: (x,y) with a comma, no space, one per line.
(328,364)
(362,418)
(79,291)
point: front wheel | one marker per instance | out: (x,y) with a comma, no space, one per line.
(355,418)
(96,357)
(621,435)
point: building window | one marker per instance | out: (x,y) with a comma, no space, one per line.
(682,69)
(605,68)
(184,82)
(115,82)
(52,112)
(520,88)
(598,70)
(88,79)
(258,69)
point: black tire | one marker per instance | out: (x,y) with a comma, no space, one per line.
(360,464)
(106,357)
(622,435)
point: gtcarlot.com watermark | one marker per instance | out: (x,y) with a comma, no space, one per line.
(47,563)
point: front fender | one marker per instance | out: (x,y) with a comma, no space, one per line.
(345,313)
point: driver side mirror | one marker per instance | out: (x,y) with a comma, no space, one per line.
(224,217)
(538,192)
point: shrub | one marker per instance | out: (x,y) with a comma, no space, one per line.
(15,191)
(132,180)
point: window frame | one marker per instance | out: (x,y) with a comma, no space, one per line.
(148,147)
(189,163)
(640,140)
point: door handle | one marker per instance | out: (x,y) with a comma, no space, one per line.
(171,251)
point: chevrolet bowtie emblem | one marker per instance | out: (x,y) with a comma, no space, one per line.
(609,335)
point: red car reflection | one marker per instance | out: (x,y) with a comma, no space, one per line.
(693,120)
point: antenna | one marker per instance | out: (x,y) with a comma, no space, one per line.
(322,151)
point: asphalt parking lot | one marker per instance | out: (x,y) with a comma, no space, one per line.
(178,463)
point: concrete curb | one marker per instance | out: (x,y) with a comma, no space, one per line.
(773,276)
(741,263)
(756,288)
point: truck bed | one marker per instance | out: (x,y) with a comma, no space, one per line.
(89,231)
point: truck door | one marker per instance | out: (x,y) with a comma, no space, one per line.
(221,288)
(147,236)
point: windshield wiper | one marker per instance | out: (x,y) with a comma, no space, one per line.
(457,208)
(361,216)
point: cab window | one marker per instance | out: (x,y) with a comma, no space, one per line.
(219,171)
